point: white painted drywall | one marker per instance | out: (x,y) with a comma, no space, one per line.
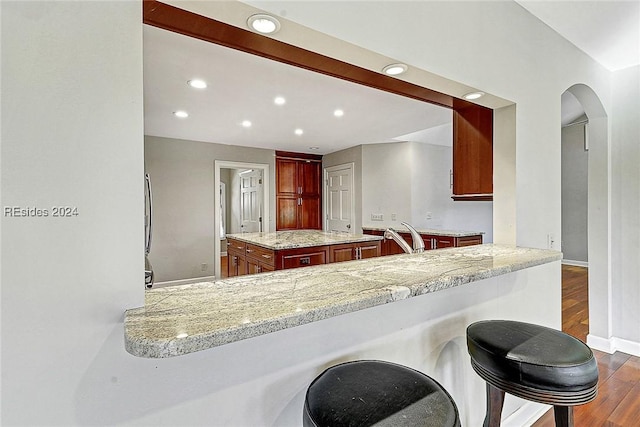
(575,168)
(183,191)
(626,207)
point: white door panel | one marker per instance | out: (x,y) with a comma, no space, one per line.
(339,196)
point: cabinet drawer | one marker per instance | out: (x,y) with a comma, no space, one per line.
(236,245)
(470,240)
(304,259)
(264,255)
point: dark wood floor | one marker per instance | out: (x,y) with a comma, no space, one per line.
(618,401)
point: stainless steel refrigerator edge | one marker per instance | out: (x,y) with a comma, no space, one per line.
(148,228)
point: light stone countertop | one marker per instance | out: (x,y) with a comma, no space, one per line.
(183,319)
(301,238)
(435,232)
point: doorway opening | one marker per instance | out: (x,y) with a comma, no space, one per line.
(243,206)
(586,203)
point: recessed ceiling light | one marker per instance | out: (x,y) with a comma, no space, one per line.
(395,69)
(246,124)
(197,83)
(262,23)
(279,100)
(298,131)
(473,95)
(338,113)
(181,114)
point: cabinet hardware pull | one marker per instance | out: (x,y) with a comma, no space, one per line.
(266,256)
(249,251)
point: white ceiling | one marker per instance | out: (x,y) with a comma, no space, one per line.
(243,86)
(606,30)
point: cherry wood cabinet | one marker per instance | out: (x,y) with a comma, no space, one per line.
(431,241)
(472,152)
(298,191)
(354,251)
(246,258)
(236,258)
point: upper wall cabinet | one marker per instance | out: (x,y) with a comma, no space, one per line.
(298,191)
(472,152)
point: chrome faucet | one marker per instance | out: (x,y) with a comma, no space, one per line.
(418,243)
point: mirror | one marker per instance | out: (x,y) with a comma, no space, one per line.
(409,139)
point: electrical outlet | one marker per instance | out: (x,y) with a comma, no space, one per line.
(551,241)
(204,267)
(428,215)
(377,217)
(393,217)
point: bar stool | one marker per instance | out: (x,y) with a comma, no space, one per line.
(367,392)
(532,362)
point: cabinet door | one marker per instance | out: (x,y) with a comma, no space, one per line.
(472,153)
(443,242)
(339,253)
(287,212)
(369,250)
(469,240)
(309,213)
(237,265)
(309,178)
(286,176)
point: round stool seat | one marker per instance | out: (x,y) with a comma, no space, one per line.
(368,392)
(533,362)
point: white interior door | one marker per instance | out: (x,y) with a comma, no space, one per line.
(339,198)
(251,201)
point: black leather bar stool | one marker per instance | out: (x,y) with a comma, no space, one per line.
(532,362)
(367,392)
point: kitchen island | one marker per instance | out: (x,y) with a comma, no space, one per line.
(268,335)
(250,253)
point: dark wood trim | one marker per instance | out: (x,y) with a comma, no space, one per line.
(298,156)
(191,24)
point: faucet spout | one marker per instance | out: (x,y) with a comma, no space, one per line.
(390,233)
(418,242)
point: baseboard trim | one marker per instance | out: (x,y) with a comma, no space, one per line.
(526,415)
(575,263)
(613,344)
(184,281)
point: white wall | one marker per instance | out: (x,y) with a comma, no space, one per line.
(386,183)
(575,169)
(183,189)
(72,129)
(626,208)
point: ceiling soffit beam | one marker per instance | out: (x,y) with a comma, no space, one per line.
(190,24)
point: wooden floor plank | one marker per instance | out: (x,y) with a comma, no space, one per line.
(618,400)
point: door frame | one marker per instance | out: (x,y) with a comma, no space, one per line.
(224,164)
(325,204)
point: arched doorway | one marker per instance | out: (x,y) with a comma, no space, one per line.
(598,211)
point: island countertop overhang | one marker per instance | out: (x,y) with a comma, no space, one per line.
(184,319)
(280,240)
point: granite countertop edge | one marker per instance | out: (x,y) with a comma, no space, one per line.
(150,330)
(431,231)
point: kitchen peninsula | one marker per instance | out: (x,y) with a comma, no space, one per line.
(250,253)
(183,319)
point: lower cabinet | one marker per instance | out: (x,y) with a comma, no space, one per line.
(245,258)
(354,251)
(390,247)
